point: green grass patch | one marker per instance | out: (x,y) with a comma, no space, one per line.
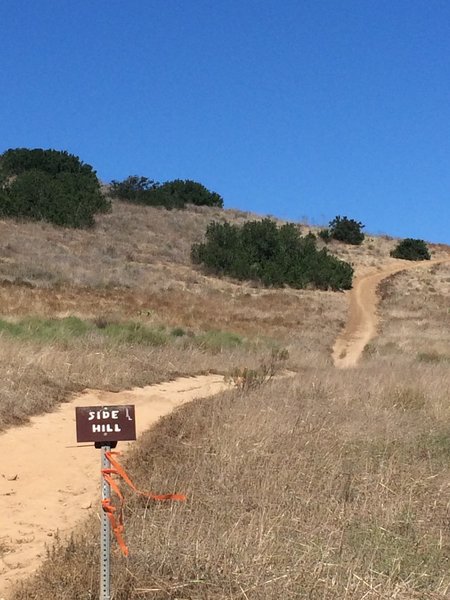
(70,328)
(127,333)
(46,330)
(215,341)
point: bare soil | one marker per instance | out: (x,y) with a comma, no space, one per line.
(48,483)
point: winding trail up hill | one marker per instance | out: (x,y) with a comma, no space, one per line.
(47,483)
(362,321)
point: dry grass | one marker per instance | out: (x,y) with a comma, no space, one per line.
(36,375)
(140,248)
(133,246)
(122,271)
(333,485)
(39,373)
(330,485)
(415,313)
(244,310)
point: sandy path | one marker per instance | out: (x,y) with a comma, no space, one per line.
(362,320)
(47,483)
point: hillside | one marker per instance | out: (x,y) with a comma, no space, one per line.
(327,484)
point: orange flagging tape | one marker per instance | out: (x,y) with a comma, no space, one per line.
(117,522)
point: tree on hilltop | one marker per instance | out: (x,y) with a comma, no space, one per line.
(345,230)
(49,185)
(171,194)
(411,249)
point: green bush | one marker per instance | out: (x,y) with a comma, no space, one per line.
(134,188)
(411,249)
(275,256)
(324,234)
(171,194)
(346,230)
(49,185)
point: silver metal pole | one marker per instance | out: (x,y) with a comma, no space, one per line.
(105,538)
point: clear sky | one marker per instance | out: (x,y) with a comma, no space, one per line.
(298,108)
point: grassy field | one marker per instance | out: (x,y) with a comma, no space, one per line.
(416,316)
(328,484)
(113,308)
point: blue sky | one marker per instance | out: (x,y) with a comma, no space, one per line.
(305,108)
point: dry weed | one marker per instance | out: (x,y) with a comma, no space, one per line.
(332,486)
(318,487)
(415,316)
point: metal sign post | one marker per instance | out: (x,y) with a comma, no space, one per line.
(105,425)
(105,534)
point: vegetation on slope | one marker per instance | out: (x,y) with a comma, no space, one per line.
(330,485)
(43,359)
(49,185)
(345,230)
(171,194)
(323,487)
(411,249)
(275,256)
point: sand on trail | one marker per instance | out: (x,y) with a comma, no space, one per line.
(362,320)
(49,484)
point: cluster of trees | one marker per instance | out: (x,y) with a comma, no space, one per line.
(276,256)
(56,186)
(49,185)
(171,194)
(350,231)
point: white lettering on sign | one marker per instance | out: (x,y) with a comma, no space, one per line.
(106,428)
(101,415)
(97,423)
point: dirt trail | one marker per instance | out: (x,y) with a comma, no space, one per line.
(362,319)
(48,484)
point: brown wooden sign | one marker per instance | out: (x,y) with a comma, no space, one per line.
(105,423)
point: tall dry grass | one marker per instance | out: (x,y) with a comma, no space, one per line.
(139,247)
(415,317)
(329,485)
(36,376)
(332,485)
(122,271)
(133,246)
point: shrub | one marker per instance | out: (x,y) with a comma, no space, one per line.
(260,251)
(49,185)
(324,234)
(18,160)
(134,188)
(346,230)
(411,249)
(171,194)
